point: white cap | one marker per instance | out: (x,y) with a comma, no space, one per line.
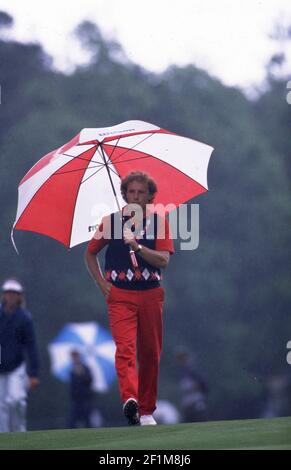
(13,286)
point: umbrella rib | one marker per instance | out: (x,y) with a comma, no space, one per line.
(111,169)
(127,150)
(100,166)
(137,158)
(86,179)
(109,156)
(103,166)
(80,158)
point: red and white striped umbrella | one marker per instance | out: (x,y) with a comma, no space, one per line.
(67,192)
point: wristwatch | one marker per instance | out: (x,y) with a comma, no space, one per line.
(139,247)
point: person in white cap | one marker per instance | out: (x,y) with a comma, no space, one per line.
(17,339)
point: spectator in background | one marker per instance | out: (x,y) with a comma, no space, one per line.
(17,339)
(192,388)
(81,393)
(278,396)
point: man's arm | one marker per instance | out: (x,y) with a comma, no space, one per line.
(94,268)
(97,244)
(158,259)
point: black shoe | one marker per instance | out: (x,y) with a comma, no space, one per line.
(130,409)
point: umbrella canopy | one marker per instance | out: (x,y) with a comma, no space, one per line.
(96,348)
(66,193)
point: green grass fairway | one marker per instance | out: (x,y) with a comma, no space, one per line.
(244,434)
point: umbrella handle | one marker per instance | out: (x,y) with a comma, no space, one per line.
(133,259)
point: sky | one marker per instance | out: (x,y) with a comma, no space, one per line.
(228,38)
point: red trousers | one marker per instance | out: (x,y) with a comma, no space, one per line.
(137,328)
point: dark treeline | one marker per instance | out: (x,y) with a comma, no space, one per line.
(229,300)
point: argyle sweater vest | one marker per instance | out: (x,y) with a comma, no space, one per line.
(118,267)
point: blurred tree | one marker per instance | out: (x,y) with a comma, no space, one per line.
(103,51)
(281,36)
(6,21)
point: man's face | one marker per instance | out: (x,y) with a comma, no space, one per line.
(138,193)
(11,299)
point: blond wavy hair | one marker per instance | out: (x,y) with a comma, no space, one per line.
(141,178)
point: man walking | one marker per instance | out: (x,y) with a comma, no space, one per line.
(133,293)
(17,338)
